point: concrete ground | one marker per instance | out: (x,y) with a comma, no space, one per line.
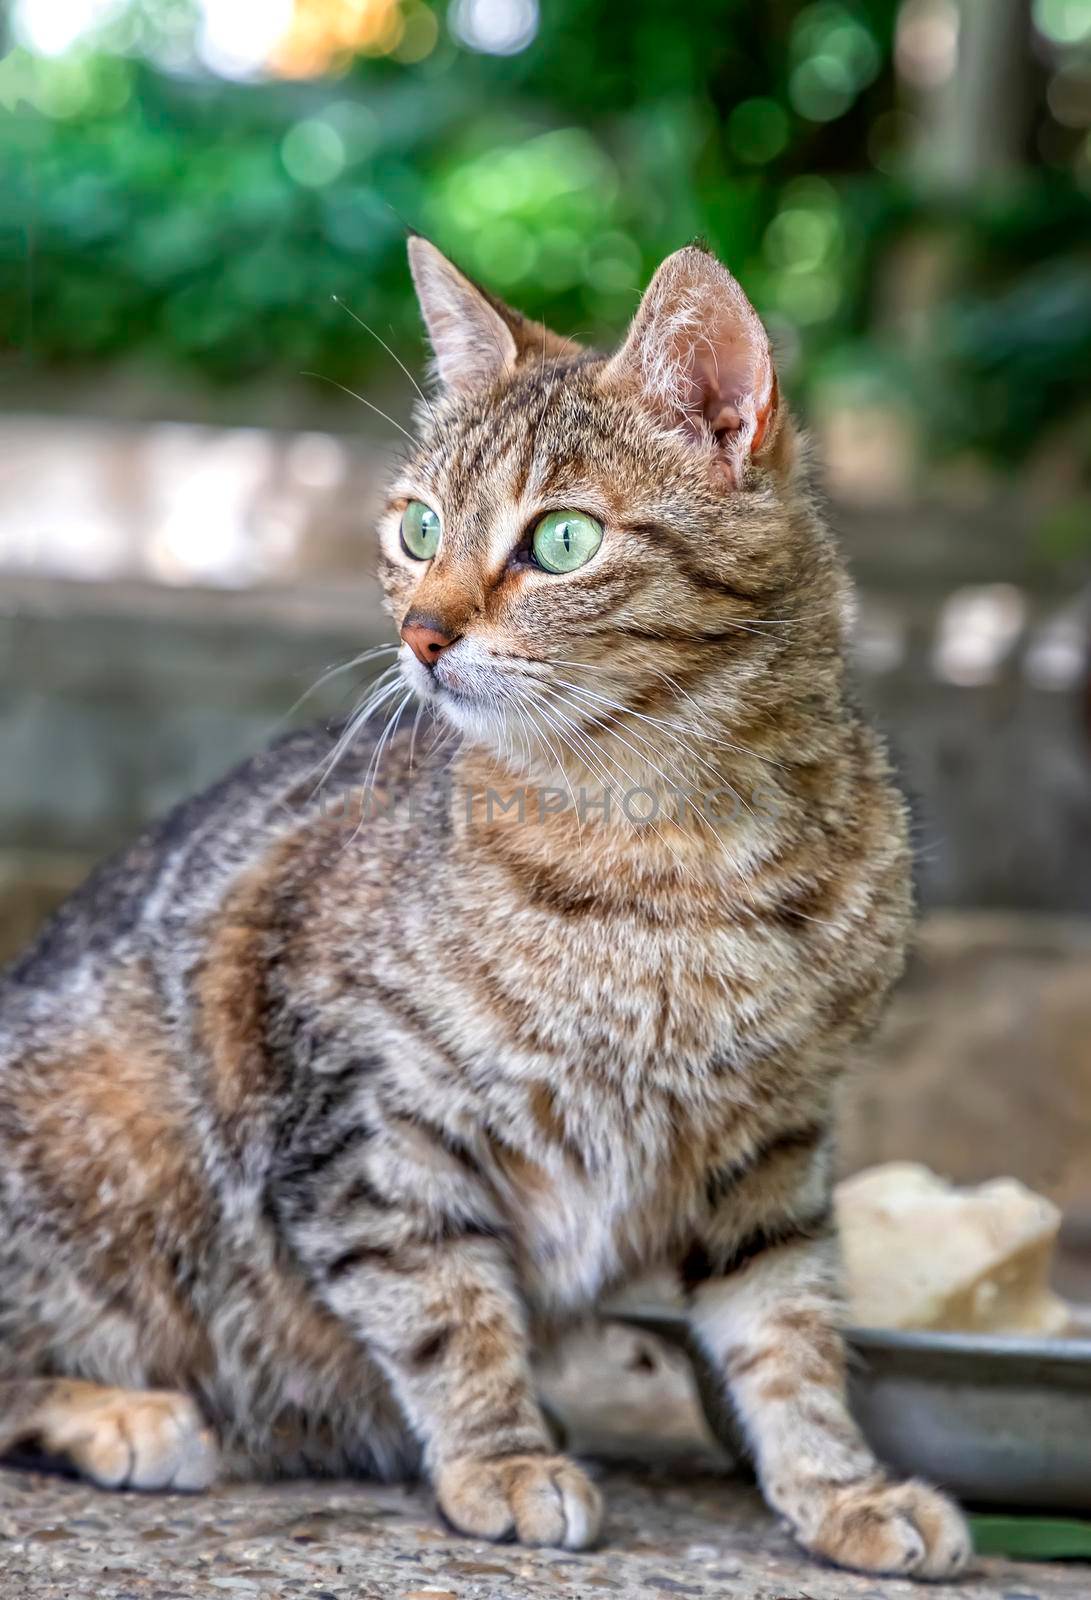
(678,1523)
(673,1529)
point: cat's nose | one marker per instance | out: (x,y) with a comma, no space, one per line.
(426,641)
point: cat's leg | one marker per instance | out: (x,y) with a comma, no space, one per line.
(406,1253)
(445,1323)
(764,1296)
(119,1438)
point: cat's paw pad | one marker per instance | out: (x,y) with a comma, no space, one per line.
(535,1499)
(894,1529)
(123,1440)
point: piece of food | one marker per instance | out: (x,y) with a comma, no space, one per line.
(920,1253)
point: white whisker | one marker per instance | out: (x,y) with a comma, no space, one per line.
(699,761)
(394,356)
(371,776)
(352,392)
(597,720)
(600,756)
(333,672)
(378,694)
(568,785)
(742,749)
(413,735)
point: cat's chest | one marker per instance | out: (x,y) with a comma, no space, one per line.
(602,1176)
(617,997)
(610,1094)
(605,950)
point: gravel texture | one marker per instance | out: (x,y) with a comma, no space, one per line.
(677,1529)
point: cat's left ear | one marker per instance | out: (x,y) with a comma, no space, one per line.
(700,359)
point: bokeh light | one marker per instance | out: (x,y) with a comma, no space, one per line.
(926,43)
(50,27)
(313,152)
(1068,95)
(322,36)
(235,38)
(758,130)
(494,27)
(836,58)
(497,210)
(804,246)
(420,33)
(1063,22)
(821,88)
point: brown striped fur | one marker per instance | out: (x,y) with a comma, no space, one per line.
(314,1119)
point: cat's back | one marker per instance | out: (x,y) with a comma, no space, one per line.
(176,871)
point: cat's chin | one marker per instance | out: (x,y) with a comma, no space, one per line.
(470,698)
(478,721)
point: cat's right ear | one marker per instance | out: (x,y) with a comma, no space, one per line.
(472,340)
(699,358)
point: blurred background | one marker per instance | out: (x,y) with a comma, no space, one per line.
(199,197)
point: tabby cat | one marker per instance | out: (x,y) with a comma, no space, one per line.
(364,1073)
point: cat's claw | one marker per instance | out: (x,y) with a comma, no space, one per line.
(535,1499)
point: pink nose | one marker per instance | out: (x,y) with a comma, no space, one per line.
(426,641)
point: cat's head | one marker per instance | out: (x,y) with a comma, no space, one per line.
(577,534)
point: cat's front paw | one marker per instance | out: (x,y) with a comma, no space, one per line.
(893,1529)
(535,1499)
(130,1439)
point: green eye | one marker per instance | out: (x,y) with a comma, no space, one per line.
(420,530)
(565,540)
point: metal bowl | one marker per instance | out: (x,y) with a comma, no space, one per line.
(997,1421)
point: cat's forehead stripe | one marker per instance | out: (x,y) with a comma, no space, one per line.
(533,443)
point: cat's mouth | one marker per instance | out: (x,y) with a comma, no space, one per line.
(446,683)
(450,687)
(470,687)
(456,696)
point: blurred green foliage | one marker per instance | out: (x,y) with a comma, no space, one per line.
(174,219)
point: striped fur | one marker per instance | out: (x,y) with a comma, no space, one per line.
(315,1123)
